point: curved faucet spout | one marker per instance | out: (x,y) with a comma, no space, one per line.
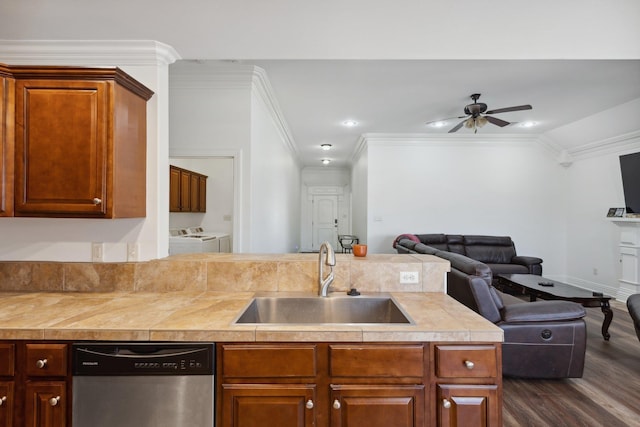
(330,261)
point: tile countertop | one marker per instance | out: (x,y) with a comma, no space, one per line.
(208,316)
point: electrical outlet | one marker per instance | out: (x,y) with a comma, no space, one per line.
(409,277)
(97,252)
(133,251)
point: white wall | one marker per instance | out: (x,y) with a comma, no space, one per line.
(509,186)
(360,194)
(61,239)
(275,185)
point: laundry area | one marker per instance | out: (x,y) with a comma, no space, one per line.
(202,218)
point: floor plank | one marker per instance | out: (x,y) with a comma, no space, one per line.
(608,394)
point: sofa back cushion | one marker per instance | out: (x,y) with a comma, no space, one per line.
(475,293)
(467,265)
(438,241)
(490,249)
(456,243)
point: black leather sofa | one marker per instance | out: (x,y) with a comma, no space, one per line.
(497,252)
(543,339)
(633,304)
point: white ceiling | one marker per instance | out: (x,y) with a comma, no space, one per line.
(399,97)
(390,65)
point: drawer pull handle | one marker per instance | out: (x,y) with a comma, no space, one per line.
(2,400)
(54,401)
(97,201)
(309,404)
(469,364)
(336,404)
(41,364)
(446,404)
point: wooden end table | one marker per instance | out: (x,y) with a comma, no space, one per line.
(530,284)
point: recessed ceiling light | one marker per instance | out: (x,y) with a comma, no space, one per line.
(350,123)
(528,124)
(325,161)
(326,147)
(438,124)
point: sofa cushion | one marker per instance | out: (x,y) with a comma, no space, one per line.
(507,269)
(438,241)
(490,249)
(542,311)
(466,264)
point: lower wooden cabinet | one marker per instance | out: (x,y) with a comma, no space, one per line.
(259,405)
(355,385)
(35,384)
(7,399)
(46,404)
(377,406)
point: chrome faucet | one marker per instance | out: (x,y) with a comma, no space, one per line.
(329,260)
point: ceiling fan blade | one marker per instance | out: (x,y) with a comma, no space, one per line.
(456,127)
(496,121)
(506,110)
(444,120)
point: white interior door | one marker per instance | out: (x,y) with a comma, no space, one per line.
(325,220)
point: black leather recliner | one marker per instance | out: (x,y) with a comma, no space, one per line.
(544,339)
(633,304)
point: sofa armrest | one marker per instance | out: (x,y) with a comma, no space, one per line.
(532,263)
(542,311)
(526,260)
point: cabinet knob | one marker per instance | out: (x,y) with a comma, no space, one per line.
(309,404)
(469,364)
(41,364)
(97,201)
(446,403)
(336,404)
(2,400)
(54,401)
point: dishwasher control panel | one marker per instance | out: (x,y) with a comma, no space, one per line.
(108,359)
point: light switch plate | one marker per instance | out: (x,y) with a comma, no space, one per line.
(97,252)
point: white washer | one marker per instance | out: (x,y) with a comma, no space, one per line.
(182,242)
(224,239)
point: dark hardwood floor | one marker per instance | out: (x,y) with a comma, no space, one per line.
(608,394)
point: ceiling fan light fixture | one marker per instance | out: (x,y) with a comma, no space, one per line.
(469,123)
(481,121)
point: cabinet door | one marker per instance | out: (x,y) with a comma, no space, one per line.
(6,146)
(185,191)
(61,145)
(260,405)
(174,189)
(6,403)
(202,194)
(194,191)
(377,406)
(45,404)
(468,405)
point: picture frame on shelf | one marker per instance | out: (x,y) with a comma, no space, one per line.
(619,213)
(611,213)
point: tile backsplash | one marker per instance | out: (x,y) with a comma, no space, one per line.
(226,272)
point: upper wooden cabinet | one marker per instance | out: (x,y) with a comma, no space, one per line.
(80,142)
(187,190)
(6,141)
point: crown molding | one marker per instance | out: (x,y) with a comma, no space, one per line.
(616,144)
(262,87)
(207,76)
(87,52)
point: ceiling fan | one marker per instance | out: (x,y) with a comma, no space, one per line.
(476,115)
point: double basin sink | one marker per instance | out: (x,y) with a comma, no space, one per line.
(318,310)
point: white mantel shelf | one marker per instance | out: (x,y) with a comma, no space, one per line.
(625,220)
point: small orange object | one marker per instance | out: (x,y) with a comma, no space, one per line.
(360,250)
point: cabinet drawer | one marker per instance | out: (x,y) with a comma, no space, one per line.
(45,360)
(376,360)
(465,361)
(7,359)
(263,361)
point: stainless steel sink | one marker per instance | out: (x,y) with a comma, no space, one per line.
(318,310)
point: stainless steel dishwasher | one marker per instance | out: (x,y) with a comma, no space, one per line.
(143,384)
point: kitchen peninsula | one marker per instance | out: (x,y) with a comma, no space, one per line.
(444,365)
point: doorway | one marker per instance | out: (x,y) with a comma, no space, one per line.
(324,220)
